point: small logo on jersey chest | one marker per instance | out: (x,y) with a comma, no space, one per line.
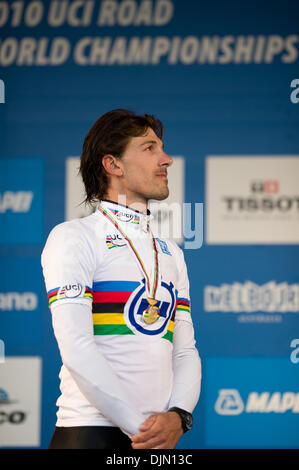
(164,247)
(114,240)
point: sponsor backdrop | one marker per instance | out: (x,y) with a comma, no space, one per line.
(223,77)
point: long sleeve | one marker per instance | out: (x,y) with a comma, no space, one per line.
(69,262)
(186,360)
(186,367)
(73,329)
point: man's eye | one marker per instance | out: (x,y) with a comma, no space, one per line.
(149,148)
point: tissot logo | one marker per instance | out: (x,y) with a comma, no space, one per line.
(252,199)
(268,187)
(263,197)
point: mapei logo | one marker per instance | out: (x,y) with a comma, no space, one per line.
(2,92)
(229,402)
(15,201)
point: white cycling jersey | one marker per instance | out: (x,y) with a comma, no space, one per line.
(97,295)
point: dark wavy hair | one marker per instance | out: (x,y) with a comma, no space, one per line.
(110,134)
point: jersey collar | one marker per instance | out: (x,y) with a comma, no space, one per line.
(128,216)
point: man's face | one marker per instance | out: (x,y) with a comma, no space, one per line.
(145,165)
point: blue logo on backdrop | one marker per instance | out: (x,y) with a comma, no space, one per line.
(4,398)
(21,201)
(251,402)
(20,291)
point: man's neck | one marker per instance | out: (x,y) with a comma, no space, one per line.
(124,200)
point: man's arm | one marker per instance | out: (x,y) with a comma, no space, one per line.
(163,430)
(69,259)
(186,366)
(187,376)
(73,328)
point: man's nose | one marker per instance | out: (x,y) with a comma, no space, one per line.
(166,159)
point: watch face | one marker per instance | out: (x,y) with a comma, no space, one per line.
(188,421)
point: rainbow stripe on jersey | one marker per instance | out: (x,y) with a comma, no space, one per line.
(183,304)
(60,293)
(109,299)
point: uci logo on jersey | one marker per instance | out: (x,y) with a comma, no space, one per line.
(70,291)
(114,240)
(137,303)
(124,217)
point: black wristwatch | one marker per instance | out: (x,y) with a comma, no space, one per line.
(187,420)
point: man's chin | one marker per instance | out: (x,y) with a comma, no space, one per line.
(160,196)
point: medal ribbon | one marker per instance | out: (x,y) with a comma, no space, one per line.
(156,265)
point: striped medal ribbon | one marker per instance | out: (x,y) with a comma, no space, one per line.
(151,313)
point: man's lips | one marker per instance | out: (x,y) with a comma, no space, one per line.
(162,175)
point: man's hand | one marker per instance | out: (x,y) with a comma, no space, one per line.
(159,431)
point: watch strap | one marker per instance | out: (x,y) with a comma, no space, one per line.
(186,418)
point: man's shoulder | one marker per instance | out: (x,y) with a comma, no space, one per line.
(79,226)
(75,232)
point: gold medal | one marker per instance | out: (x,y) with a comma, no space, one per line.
(151,313)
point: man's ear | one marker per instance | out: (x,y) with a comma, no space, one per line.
(112,165)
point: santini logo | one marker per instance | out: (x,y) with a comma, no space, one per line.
(16,301)
(2,92)
(229,402)
(19,201)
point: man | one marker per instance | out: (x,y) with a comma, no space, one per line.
(119,298)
